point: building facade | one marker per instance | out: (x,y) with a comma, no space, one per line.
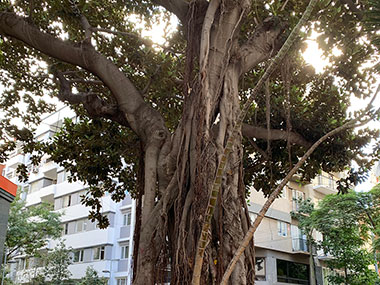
(108,251)
(282,254)
(7,194)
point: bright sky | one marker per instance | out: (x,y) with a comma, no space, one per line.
(157,33)
(313,56)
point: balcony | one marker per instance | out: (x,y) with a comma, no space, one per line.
(122,265)
(11,174)
(47,193)
(15,161)
(127,200)
(78,270)
(322,255)
(16,151)
(45,136)
(299,245)
(325,184)
(89,238)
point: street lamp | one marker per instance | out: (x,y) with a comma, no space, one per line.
(109,278)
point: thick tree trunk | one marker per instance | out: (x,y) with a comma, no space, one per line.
(210,112)
(179,169)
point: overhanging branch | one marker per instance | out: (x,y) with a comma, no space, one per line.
(363,118)
(264,43)
(177,7)
(262,133)
(95,106)
(142,118)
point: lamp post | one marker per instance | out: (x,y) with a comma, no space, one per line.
(3,267)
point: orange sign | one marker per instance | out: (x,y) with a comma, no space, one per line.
(8,186)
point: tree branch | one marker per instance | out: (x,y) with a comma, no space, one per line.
(87,28)
(177,7)
(95,106)
(365,116)
(353,8)
(125,34)
(261,133)
(142,118)
(258,149)
(84,81)
(265,41)
(216,185)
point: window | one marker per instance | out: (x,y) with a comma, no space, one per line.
(35,186)
(67,201)
(122,281)
(27,263)
(65,229)
(291,272)
(127,219)
(284,192)
(79,226)
(29,168)
(21,264)
(81,194)
(297,197)
(78,255)
(282,229)
(326,180)
(299,242)
(99,253)
(61,177)
(85,224)
(124,251)
(260,269)
(26,189)
(10,175)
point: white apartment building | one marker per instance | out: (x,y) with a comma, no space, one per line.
(108,251)
(282,255)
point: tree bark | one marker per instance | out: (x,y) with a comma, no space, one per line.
(180,167)
(312,264)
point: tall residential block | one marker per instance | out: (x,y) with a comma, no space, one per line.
(282,253)
(108,251)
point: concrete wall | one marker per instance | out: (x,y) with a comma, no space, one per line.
(271,264)
(5,200)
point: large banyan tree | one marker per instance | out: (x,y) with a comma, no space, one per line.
(165,122)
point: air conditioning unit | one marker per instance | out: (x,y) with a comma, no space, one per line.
(35,169)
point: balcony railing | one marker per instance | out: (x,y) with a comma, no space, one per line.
(327,181)
(299,244)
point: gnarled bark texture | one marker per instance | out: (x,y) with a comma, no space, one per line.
(179,167)
(194,150)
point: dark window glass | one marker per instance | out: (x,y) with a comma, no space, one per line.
(292,272)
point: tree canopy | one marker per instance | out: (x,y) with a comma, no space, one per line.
(349,223)
(30,228)
(155,119)
(28,77)
(92,278)
(56,270)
